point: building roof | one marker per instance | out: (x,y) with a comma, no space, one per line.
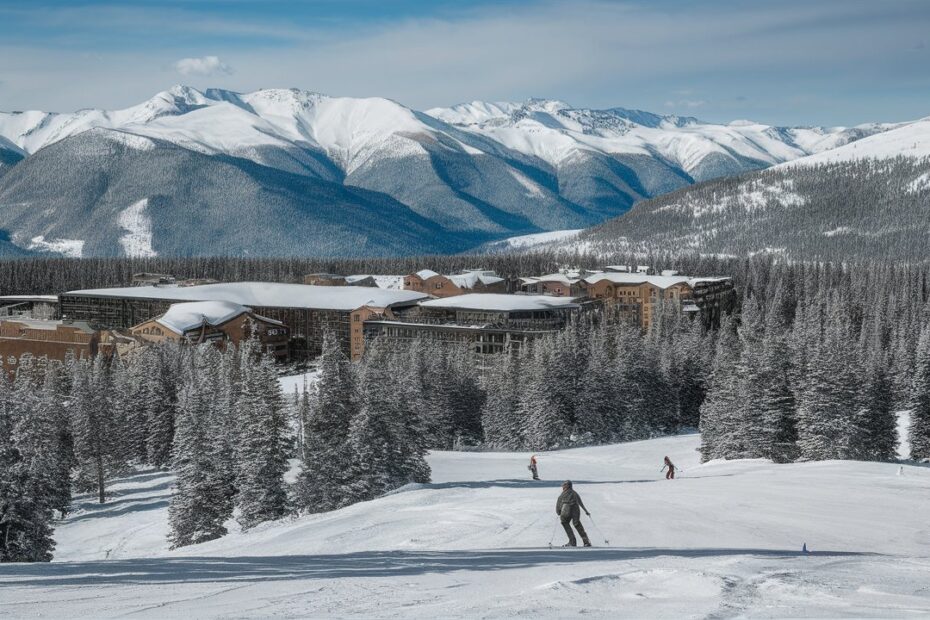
(49,325)
(267,294)
(501,302)
(425,274)
(185,316)
(52,299)
(471,279)
(662,282)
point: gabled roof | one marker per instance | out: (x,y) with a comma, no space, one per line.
(426,274)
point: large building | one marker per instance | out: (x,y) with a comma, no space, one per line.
(29,306)
(490,323)
(636,296)
(217,322)
(55,340)
(470,281)
(307,311)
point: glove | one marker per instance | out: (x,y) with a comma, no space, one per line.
(587,513)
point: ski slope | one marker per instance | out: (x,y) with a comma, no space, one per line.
(723,540)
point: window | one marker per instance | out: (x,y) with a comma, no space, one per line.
(437,285)
(357,318)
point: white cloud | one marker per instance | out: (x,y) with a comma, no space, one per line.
(207,65)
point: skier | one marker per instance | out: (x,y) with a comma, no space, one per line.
(533,467)
(671,469)
(569,507)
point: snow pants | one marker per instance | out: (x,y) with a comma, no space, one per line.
(568,522)
(535,472)
(671,474)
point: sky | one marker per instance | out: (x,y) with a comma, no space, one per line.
(791,62)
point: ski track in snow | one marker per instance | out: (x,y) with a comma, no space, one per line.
(722,541)
(137,242)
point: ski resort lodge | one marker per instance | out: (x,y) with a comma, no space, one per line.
(491,323)
(219,322)
(469,281)
(307,311)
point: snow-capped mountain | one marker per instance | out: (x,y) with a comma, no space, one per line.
(471,174)
(870,198)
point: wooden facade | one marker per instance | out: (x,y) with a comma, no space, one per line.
(273,336)
(55,340)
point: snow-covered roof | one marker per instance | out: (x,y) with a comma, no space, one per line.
(190,315)
(425,274)
(662,282)
(469,280)
(268,294)
(500,302)
(48,324)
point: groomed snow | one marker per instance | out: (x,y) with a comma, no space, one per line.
(267,294)
(501,302)
(723,540)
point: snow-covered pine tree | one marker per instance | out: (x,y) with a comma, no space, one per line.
(198,505)
(876,419)
(262,457)
(599,404)
(919,431)
(544,416)
(162,380)
(503,384)
(719,422)
(776,404)
(827,419)
(386,434)
(750,437)
(328,457)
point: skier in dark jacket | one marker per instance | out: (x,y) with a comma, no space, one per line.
(671,469)
(569,507)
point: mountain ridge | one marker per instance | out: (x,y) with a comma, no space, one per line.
(471,173)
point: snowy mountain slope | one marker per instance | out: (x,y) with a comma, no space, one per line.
(478,172)
(10,155)
(867,199)
(132,195)
(554,131)
(911,140)
(722,540)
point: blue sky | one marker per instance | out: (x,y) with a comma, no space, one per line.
(791,62)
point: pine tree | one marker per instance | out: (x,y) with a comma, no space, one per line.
(919,432)
(544,415)
(827,410)
(720,411)
(328,457)
(198,504)
(500,415)
(262,441)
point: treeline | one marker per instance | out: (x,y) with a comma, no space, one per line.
(219,421)
(57,275)
(815,369)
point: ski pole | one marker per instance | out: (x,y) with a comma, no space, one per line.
(552,535)
(599,532)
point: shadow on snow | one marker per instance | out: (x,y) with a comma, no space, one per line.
(355,565)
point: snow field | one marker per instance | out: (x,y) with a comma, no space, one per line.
(723,540)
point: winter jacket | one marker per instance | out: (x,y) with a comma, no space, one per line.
(569,505)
